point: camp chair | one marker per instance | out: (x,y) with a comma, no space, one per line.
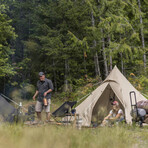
(65,110)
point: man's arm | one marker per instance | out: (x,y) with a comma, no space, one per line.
(50,86)
(48,91)
(36,93)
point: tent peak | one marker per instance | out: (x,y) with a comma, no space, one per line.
(115,67)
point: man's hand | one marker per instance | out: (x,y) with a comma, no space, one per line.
(36,93)
(45,93)
(48,91)
(33,98)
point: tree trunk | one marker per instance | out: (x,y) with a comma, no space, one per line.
(97,67)
(66,75)
(21,31)
(104,55)
(85,62)
(110,56)
(142,34)
(4,86)
(54,77)
(122,63)
(96,61)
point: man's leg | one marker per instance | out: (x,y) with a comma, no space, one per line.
(38,109)
(48,116)
(47,109)
(39,116)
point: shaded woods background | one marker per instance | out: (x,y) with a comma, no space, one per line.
(72,41)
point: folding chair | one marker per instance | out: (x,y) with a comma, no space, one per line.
(65,111)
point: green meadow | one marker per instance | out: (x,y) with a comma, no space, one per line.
(56,136)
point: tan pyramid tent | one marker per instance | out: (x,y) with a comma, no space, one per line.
(114,85)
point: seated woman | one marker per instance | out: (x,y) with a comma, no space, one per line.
(115,115)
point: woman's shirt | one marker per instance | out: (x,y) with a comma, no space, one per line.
(120,111)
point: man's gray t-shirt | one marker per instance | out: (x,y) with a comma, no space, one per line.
(42,87)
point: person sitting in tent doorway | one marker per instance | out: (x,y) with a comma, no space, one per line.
(116,115)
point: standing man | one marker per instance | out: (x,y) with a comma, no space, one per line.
(44,89)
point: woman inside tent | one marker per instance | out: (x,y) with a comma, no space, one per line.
(116,115)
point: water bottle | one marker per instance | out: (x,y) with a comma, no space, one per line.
(45,102)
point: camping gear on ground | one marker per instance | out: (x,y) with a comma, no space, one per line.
(20,115)
(31,113)
(45,101)
(146,119)
(138,116)
(134,109)
(143,104)
(137,112)
(65,110)
(97,105)
(79,123)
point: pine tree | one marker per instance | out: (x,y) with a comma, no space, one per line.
(6,36)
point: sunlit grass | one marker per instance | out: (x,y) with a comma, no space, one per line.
(21,136)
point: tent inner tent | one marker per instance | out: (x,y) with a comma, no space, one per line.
(102,108)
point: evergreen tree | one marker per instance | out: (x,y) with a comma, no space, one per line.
(72,39)
(6,36)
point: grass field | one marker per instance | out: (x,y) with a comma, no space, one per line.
(55,136)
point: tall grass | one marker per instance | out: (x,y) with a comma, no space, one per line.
(52,136)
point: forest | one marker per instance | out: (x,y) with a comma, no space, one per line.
(72,41)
